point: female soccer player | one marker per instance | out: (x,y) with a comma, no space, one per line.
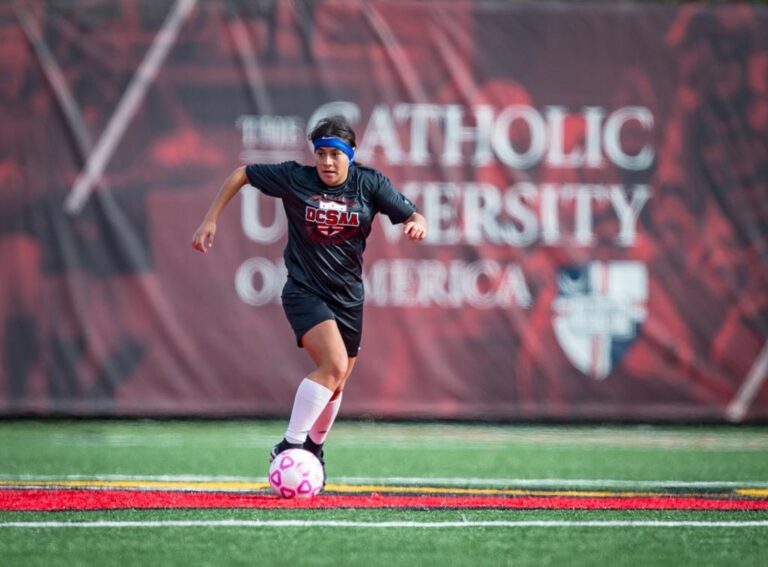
(330,208)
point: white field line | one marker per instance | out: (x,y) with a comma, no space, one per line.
(409,481)
(391,524)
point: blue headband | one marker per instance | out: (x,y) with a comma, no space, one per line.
(334,142)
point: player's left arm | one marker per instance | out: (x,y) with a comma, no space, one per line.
(398,208)
(415,227)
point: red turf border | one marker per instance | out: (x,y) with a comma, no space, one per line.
(58,499)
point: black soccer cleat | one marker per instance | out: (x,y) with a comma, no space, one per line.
(317,451)
(282,446)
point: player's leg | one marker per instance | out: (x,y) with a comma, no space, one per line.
(325,420)
(326,348)
(350,324)
(317,435)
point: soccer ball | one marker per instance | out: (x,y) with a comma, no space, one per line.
(296,473)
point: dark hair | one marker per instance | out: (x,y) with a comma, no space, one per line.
(333,126)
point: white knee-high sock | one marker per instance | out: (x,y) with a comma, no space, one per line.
(310,401)
(324,421)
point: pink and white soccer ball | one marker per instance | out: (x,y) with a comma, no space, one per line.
(296,473)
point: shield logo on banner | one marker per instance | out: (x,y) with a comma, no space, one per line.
(597,312)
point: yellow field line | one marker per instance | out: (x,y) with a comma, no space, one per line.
(251,486)
(477,491)
(753,492)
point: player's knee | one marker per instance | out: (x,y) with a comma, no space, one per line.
(336,369)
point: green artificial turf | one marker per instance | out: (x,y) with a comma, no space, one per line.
(437,454)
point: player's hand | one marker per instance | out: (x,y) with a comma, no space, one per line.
(415,227)
(202,240)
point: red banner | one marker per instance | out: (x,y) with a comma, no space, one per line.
(594,178)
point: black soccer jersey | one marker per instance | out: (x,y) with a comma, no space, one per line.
(328,226)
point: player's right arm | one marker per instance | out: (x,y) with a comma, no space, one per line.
(206,232)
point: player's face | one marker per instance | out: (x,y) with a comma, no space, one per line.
(332,166)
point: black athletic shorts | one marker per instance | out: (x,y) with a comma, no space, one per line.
(304,310)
